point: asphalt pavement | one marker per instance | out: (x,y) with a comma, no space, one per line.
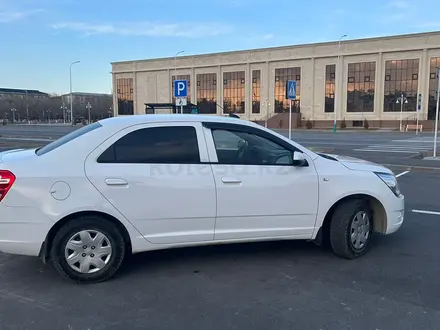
(281,285)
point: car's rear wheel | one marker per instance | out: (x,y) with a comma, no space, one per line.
(351,229)
(89,249)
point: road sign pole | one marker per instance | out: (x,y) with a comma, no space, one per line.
(436,112)
(417,124)
(419,107)
(181,109)
(290,119)
(290,95)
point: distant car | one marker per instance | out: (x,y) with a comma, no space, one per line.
(233,115)
(147,182)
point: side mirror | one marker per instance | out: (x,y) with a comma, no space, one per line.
(299,159)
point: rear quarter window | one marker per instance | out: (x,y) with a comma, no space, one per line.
(67,138)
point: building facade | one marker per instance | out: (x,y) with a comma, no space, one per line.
(354,80)
(22,93)
(101,104)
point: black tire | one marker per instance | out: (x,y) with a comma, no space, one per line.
(94,223)
(340,229)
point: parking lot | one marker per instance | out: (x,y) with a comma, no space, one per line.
(281,285)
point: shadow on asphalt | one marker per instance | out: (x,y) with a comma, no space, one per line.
(193,260)
(241,255)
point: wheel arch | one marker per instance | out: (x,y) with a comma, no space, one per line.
(377,209)
(47,244)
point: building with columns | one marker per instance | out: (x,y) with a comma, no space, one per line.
(353,80)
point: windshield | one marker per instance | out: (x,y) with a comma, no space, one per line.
(67,138)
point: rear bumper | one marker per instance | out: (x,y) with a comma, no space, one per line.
(23,230)
(395,214)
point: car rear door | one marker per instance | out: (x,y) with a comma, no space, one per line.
(260,194)
(153,174)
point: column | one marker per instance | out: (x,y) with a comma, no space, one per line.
(115,95)
(220,90)
(193,87)
(340,90)
(136,110)
(268,100)
(248,92)
(313,89)
(379,87)
(423,89)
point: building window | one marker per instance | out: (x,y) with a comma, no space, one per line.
(432,101)
(207,93)
(330,75)
(186,77)
(124,89)
(233,92)
(256,91)
(403,80)
(360,87)
(281,78)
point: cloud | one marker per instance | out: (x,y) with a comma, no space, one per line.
(398,4)
(12,16)
(428,25)
(267,36)
(339,11)
(149,29)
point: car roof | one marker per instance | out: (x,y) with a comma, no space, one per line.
(156,118)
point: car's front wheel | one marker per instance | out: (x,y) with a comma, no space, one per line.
(351,229)
(89,249)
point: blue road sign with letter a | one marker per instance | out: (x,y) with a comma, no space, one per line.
(291,90)
(180,88)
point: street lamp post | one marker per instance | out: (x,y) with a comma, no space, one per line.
(402,100)
(339,79)
(27,108)
(175,72)
(88,107)
(71,96)
(63,109)
(13,114)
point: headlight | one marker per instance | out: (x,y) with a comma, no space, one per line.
(391,181)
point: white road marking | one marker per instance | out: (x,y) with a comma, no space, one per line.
(414,141)
(402,174)
(381,150)
(413,167)
(426,212)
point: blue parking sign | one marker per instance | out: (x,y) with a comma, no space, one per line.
(291,90)
(180,88)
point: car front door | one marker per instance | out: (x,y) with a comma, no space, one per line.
(259,192)
(153,174)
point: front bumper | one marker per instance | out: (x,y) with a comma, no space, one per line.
(395,215)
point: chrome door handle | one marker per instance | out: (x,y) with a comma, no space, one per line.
(230,180)
(115,182)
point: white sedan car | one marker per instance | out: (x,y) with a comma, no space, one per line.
(148,182)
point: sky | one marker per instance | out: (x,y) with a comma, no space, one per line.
(40,38)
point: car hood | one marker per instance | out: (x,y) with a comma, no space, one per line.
(357,164)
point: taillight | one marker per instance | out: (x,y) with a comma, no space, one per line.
(7,179)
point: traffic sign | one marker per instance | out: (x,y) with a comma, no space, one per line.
(291,90)
(180,88)
(181,101)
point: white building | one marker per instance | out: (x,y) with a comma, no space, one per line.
(361,79)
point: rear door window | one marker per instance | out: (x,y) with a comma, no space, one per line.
(155,145)
(67,138)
